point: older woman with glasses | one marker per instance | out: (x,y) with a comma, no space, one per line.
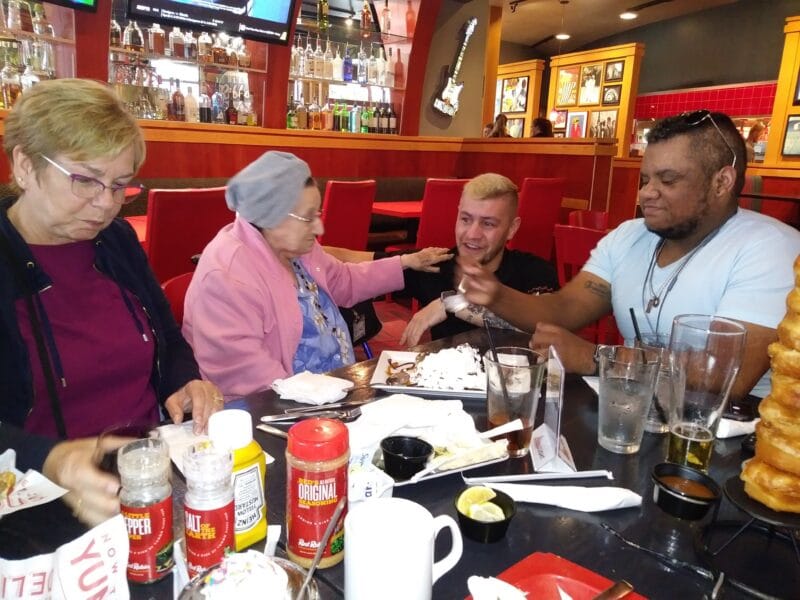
(88,339)
(262,304)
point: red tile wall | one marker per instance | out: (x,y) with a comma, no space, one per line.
(736,101)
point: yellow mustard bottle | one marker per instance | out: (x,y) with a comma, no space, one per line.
(232,430)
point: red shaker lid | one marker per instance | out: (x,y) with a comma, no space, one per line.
(318,439)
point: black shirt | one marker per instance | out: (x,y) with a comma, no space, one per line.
(522,271)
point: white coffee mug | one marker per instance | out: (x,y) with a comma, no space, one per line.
(389,550)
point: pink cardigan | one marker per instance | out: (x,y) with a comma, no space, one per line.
(242,316)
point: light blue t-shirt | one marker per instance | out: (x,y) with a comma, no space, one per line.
(744,272)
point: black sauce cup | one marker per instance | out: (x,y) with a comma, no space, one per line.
(487,532)
(403,456)
(681,503)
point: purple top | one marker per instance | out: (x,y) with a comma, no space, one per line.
(106,362)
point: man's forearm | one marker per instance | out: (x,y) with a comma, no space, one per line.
(476,315)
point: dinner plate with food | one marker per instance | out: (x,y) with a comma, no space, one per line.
(451,372)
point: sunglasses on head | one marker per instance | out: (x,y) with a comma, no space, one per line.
(693,119)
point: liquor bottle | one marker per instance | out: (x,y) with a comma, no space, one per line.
(115,38)
(373,120)
(190,46)
(386,18)
(383,120)
(389,72)
(327,117)
(39,21)
(132,38)
(302,114)
(178,102)
(309,60)
(347,74)
(411,19)
(344,117)
(327,60)
(218,53)
(231,114)
(205,108)
(241,110)
(314,120)
(252,118)
(291,118)
(392,120)
(372,68)
(362,65)
(366,113)
(319,61)
(366,19)
(176,43)
(218,105)
(399,72)
(156,38)
(335,117)
(192,108)
(338,67)
(380,67)
(300,59)
(355,119)
(204,43)
(322,15)
(170,104)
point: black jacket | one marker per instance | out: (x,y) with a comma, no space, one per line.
(119,255)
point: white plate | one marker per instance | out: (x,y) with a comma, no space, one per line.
(381,373)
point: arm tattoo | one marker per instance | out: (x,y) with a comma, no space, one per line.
(476,315)
(599,289)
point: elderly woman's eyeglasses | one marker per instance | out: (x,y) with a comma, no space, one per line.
(693,119)
(308,220)
(89,188)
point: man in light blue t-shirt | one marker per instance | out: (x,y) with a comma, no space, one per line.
(695,251)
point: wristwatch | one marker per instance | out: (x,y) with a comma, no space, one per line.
(453,301)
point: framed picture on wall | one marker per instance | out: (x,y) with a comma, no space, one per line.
(603,124)
(791,141)
(576,124)
(614,71)
(516,127)
(611,94)
(567,87)
(515,95)
(559,119)
(498,94)
(590,84)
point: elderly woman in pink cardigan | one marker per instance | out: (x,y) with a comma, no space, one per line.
(262,304)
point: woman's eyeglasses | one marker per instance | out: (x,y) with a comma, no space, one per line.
(308,220)
(89,188)
(693,119)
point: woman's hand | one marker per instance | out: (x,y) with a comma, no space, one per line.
(576,353)
(93,494)
(203,398)
(426,259)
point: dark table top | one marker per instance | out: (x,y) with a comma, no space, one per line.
(758,558)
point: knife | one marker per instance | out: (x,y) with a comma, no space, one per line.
(325,407)
(295,416)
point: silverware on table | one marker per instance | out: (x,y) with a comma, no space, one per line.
(323,407)
(272,430)
(344,415)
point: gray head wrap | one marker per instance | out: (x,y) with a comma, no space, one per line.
(268,189)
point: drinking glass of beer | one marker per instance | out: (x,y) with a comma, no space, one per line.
(513,390)
(705,355)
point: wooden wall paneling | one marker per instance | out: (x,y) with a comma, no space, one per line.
(417,65)
(785,95)
(624,194)
(491,62)
(92,31)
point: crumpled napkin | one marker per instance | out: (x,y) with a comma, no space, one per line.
(312,388)
(572,497)
(731,428)
(491,588)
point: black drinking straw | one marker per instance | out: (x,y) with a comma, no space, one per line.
(636,330)
(493,350)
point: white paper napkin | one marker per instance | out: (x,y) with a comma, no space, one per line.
(491,588)
(584,499)
(312,388)
(731,428)
(30,489)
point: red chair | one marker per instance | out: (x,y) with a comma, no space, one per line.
(437,223)
(346,213)
(593,219)
(573,247)
(179,225)
(539,207)
(175,291)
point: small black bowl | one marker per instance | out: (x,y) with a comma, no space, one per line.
(684,492)
(403,455)
(480,531)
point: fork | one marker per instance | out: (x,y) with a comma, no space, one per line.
(344,415)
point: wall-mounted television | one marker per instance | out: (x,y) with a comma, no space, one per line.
(89,5)
(263,20)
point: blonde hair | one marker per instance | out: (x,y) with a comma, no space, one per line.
(80,119)
(493,185)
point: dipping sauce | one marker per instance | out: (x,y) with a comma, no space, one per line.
(686,486)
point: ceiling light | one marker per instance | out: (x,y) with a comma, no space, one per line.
(562,36)
(628,15)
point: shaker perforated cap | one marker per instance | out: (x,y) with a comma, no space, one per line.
(230,429)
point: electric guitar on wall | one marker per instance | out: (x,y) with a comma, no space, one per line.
(447,102)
